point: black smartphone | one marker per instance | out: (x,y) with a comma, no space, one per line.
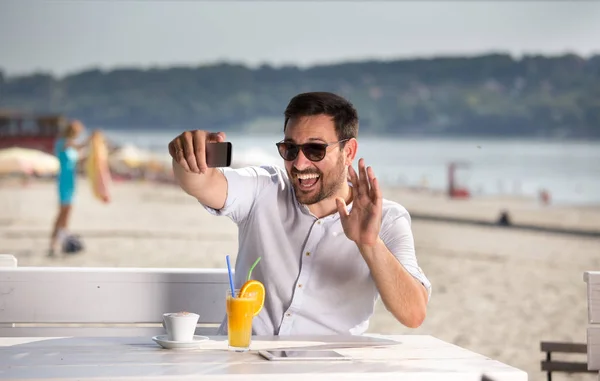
(218,154)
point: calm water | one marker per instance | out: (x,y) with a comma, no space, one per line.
(570,171)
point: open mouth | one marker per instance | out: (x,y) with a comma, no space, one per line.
(308,181)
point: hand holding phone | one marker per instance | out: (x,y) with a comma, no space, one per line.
(198,150)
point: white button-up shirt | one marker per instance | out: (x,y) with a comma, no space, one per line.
(315,278)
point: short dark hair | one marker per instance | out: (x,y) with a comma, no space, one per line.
(341,110)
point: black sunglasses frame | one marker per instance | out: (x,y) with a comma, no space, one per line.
(305,148)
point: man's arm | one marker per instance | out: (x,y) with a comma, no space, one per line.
(404,296)
(209,189)
(388,256)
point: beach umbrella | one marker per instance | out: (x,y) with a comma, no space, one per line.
(159,162)
(27,161)
(129,156)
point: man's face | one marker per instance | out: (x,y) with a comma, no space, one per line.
(314,181)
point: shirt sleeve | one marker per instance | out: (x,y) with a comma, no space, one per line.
(243,187)
(398,237)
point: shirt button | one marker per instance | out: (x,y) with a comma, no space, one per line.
(308,253)
(288,314)
(319,222)
(299,286)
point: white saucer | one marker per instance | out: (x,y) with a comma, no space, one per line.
(164,342)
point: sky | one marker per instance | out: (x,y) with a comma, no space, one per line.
(63,37)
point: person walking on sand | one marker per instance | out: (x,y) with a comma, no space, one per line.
(330,244)
(68,153)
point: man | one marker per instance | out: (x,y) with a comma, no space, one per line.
(329,248)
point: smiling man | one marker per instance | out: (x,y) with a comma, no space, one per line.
(330,243)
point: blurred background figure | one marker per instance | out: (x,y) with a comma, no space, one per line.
(68,153)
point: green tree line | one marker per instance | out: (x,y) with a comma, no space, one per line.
(492,95)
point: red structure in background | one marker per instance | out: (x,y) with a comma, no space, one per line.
(30,130)
(545,197)
(455,191)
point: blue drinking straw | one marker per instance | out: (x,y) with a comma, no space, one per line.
(230,276)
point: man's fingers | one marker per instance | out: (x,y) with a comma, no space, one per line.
(360,181)
(378,195)
(187,142)
(171,148)
(354,180)
(364,178)
(375,192)
(176,151)
(199,141)
(216,137)
(341,206)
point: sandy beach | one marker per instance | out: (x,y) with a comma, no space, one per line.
(496,291)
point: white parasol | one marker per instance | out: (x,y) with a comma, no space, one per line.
(27,161)
(129,156)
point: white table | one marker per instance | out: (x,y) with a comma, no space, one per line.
(375,357)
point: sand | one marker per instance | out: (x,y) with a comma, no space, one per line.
(496,291)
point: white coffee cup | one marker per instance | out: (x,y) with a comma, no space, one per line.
(180,326)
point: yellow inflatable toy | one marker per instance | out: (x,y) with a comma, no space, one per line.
(97,168)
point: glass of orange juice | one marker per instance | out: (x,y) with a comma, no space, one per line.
(240,311)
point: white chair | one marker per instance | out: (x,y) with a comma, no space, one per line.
(63,301)
(7,260)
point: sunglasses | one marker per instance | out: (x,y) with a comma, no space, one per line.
(312,151)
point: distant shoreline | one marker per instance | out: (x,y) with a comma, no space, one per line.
(366,134)
(489,95)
